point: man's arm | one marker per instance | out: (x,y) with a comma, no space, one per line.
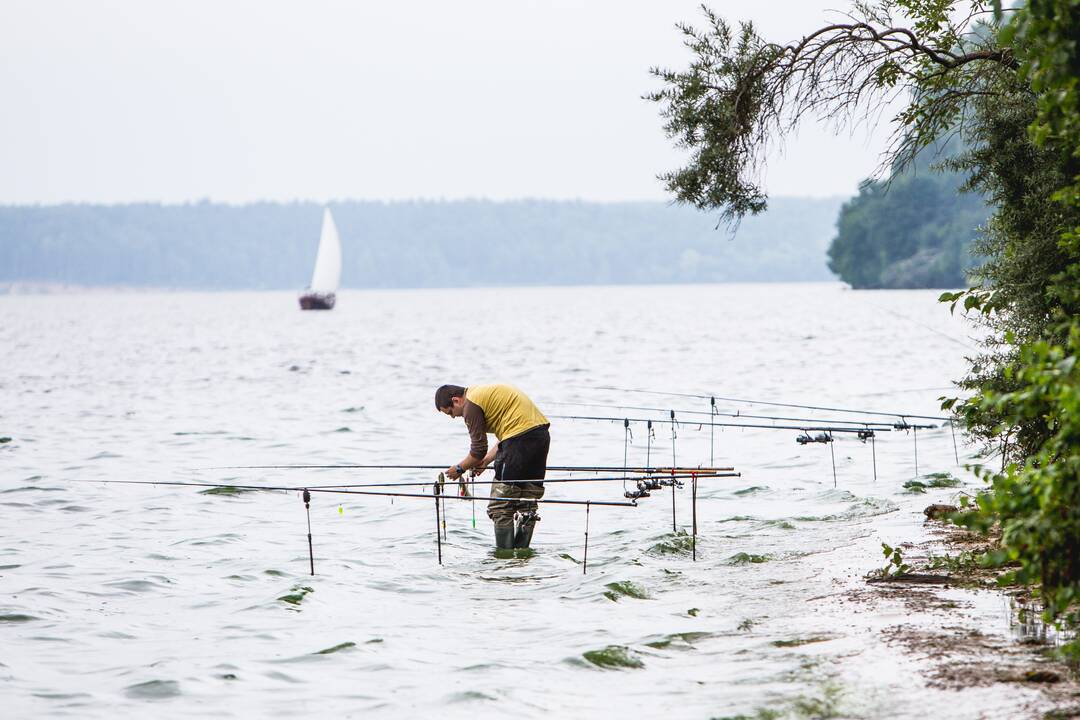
(478,456)
(488,459)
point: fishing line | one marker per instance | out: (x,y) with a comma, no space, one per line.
(822,428)
(438,495)
(887,393)
(825,438)
(925,327)
(714,412)
(769,402)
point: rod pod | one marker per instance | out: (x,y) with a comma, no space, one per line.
(956,453)
(832,454)
(869,434)
(712,428)
(438,521)
(442,493)
(915,437)
(311,551)
(674,522)
(693,501)
(585,557)
(873,455)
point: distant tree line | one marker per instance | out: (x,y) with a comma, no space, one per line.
(410,244)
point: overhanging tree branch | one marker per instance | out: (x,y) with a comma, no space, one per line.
(740,93)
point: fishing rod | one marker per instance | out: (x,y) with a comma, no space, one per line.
(714,413)
(331,490)
(437,494)
(551,468)
(775,404)
(658,476)
(720,424)
(864,433)
(551,501)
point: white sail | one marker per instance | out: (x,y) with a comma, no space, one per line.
(327,273)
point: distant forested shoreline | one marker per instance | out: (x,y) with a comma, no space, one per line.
(914,230)
(410,244)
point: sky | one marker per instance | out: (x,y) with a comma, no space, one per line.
(238,101)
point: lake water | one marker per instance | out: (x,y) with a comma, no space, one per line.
(164,601)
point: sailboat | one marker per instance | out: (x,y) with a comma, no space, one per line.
(327,274)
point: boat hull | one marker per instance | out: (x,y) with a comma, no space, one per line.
(317,301)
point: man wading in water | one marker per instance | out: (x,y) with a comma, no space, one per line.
(520,453)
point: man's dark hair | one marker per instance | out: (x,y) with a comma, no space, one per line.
(446,393)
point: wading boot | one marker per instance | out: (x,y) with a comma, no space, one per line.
(504,541)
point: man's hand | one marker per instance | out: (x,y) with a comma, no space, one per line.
(478,470)
(454,472)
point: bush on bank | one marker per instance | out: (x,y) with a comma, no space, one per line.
(1026,401)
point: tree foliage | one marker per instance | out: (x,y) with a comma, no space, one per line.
(1015,296)
(741,93)
(913,231)
(1036,499)
(1051,29)
(1027,390)
(1010,86)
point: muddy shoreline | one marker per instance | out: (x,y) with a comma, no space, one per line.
(955,654)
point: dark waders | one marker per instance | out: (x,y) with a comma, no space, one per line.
(522,457)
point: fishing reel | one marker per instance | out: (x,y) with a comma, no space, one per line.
(527,518)
(806,438)
(902,425)
(865,435)
(643,488)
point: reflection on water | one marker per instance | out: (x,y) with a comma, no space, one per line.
(192,603)
(1027,625)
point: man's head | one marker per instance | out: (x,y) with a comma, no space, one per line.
(450,400)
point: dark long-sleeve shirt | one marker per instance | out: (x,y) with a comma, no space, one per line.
(476,422)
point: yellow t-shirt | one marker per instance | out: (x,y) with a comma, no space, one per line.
(509,412)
